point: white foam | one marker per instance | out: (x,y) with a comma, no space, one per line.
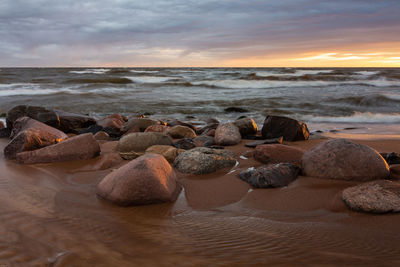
(90,71)
(366,72)
(144,71)
(358,117)
(392,96)
(150,79)
(298,73)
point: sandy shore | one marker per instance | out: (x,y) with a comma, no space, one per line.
(49,214)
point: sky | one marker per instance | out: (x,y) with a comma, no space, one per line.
(200,33)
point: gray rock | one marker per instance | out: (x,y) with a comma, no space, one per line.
(145,180)
(71,121)
(185,143)
(343,159)
(290,129)
(204,140)
(46,116)
(227,135)
(271,175)
(380,196)
(204,160)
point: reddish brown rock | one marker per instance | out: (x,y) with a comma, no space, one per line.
(227,135)
(46,116)
(168,152)
(71,121)
(276,153)
(395,172)
(247,126)
(180,131)
(211,132)
(29,134)
(290,129)
(1,125)
(157,128)
(139,123)
(102,136)
(113,121)
(343,159)
(80,147)
(103,162)
(146,180)
(380,196)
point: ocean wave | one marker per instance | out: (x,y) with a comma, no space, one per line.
(114,80)
(297,73)
(24,89)
(367,72)
(144,71)
(90,71)
(260,84)
(373,100)
(151,79)
(358,117)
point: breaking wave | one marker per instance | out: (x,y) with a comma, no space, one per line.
(90,71)
(358,117)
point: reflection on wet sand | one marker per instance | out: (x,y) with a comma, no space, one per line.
(50,216)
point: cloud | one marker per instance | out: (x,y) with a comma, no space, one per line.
(182,32)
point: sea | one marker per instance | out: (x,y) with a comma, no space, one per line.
(324,98)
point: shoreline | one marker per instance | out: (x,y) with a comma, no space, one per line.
(217,218)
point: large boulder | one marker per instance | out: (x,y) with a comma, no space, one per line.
(135,144)
(247,126)
(139,123)
(271,175)
(180,131)
(41,114)
(29,134)
(277,153)
(79,147)
(343,159)
(71,121)
(380,196)
(204,160)
(146,180)
(290,129)
(227,135)
(169,152)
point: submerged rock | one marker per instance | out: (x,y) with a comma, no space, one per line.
(235,109)
(275,153)
(29,134)
(290,129)
(227,135)
(343,159)
(278,140)
(204,160)
(146,180)
(80,147)
(180,131)
(272,175)
(375,197)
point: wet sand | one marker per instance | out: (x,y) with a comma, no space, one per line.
(50,216)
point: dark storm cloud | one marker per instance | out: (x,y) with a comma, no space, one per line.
(39,33)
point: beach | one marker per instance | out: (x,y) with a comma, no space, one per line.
(50,215)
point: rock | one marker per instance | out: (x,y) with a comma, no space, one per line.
(395,172)
(344,160)
(290,129)
(113,121)
(227,135)
(157,128)
(29,134)
(247,126)
(102,136)
(79,147)
(235,109)
(380,196)
(204,140)
(185,144)
(179,132)
(5,132)
(271,175)
(211,132)
(168,152)
(145,180)
(278,140)
(391,158)
(41,114)
(207,128)
(173,123)
(103,162)
(91,129)
(2,125)
(140,123)
(70,121)
(278,154)
(134,144)
(204,160)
